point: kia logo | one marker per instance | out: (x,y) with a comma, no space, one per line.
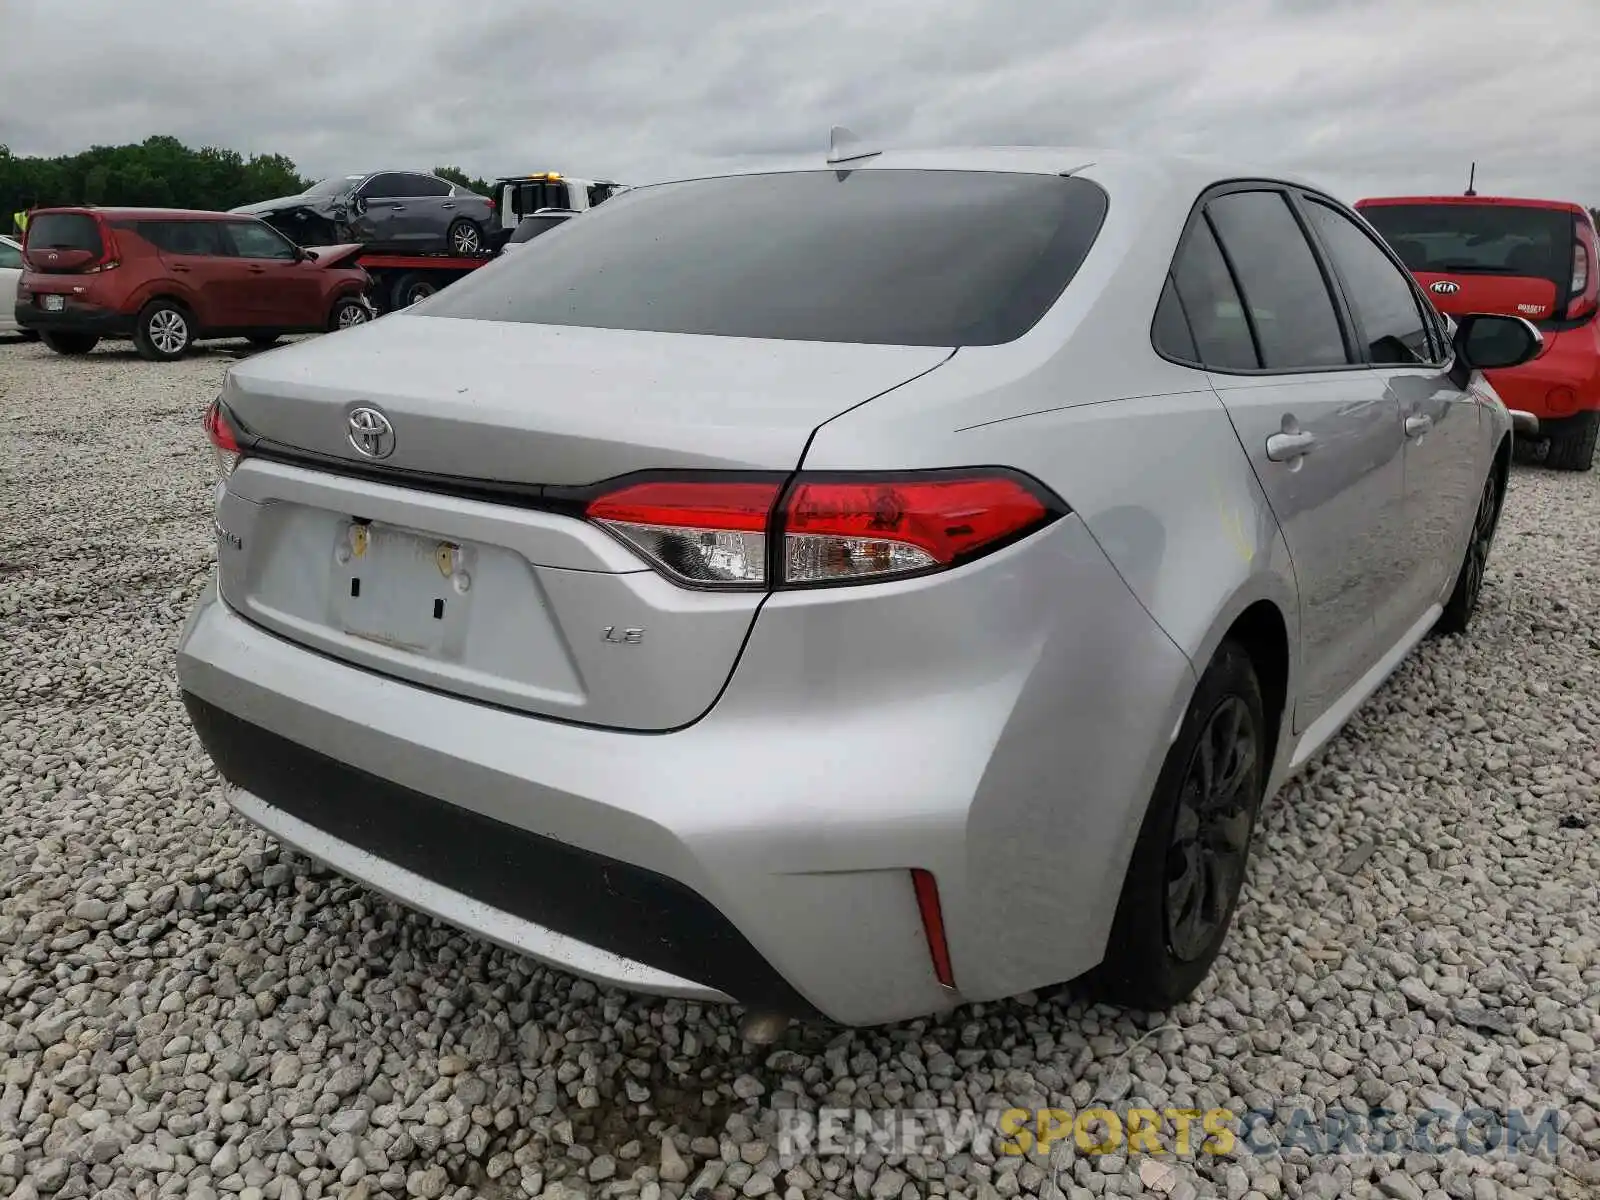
(1445,287)
(370,433)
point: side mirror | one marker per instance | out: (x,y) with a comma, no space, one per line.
(1488,342)
(304,255)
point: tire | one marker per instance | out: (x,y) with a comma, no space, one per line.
(1463,602)
(1573,441)
(163,331)
(264,341)
(72,344)
(464,239)
(348,312)
(1158,953)
(29,335)
(410,288)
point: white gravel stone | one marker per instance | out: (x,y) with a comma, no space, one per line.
(187,1009)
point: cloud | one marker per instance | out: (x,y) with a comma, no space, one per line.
(1363,95)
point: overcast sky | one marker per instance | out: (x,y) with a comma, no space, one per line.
(1365,96)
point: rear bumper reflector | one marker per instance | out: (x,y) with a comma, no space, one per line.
(927,889)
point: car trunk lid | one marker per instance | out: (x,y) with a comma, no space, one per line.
(400,566)
(537,404)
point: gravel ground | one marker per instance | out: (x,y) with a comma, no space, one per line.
(189,1012)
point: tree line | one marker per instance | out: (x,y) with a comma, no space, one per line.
(158,172)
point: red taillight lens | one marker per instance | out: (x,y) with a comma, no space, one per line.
(1584,286)
(837,531)
(224,442)
(715,533)
(712,534)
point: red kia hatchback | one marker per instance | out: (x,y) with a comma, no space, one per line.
(169,277)
(1524,258)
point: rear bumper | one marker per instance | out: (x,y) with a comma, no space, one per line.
(75,318)
(763,853)
(496,879)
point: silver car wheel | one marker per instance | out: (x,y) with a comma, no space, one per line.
(465,239)
(169,332)
(351,314)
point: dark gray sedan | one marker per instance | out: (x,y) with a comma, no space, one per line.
(392,210)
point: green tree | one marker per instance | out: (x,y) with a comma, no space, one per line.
(158,171)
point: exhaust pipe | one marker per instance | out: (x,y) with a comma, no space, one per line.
(1524,424)
(762,1028)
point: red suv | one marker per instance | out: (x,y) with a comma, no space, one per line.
(168,277)
(1524,258)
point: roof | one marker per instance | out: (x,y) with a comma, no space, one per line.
(1105,166)
(1508,201)
(151,213)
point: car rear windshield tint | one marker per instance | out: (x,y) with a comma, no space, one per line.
(64,231)
(1486,239)
(913,258)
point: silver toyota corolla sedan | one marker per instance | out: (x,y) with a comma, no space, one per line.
(850,590)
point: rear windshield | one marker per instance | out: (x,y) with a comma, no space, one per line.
(1488,239)
(911,258)
(64,231)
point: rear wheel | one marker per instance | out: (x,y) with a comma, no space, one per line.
(465,238)
(1572,443)
(1188,866)
(1463,600)
(409,289)
(348,313)
(29,335)
(71,343)
(163,331)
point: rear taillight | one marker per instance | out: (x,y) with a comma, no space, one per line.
(708,534)
(824,529)
(224,441)
(1584,289)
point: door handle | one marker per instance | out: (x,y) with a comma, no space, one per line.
(448,204)
(258,270)
(1418,425)
(180,268)
(1286,447)
(399,207)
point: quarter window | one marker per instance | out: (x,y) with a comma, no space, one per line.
(1385,305)
(1291,310)
(10,257)
(1216,320)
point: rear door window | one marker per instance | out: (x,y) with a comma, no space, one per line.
(10,257)
(1291,310)
(426,185)
(1478,239)
(1379,291)
(902,257)
(195,238)
(65,231)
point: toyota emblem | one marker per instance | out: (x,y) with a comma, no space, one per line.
(370,433)
(1445,287)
